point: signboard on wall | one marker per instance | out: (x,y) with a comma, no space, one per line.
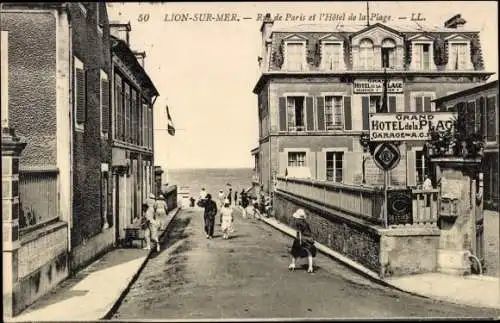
(405,126)
(377,86)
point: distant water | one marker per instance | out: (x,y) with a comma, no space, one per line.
(212,179)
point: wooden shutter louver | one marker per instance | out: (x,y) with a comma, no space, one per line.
(392,104)
(80,96)
(105,105)
(347,113)
(282,114)
(365,106)
(310,113)
(320,111)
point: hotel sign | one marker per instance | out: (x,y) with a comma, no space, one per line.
(408,125)
(377,86)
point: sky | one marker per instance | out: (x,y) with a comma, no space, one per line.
(205,71)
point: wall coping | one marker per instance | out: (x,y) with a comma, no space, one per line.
(410,231)
(38,233)
(333,185)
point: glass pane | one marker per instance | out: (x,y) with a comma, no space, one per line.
(338,175)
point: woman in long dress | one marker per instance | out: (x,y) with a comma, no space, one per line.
(303,245)
(226,219)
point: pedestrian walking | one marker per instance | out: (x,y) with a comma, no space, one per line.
(244,203)
(236,197)
(226,215)
(150,201)
(148,215)
(209,214)
(303,244)
(161,208)
(230,195)
(203,194)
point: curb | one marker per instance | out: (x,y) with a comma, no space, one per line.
(372,276)
(116,305)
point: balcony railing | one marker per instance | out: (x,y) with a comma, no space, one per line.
(38,197)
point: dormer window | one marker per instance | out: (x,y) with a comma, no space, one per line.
(388,53)
(331,54)
(295,56)
(366,54)
(422,57)
(459,57)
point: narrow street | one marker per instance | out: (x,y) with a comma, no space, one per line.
(247,277)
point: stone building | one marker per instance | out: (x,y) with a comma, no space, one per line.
(319,83)
(480,104)
(57,89)
(133,97)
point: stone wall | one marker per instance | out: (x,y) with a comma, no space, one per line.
(42,263)
(96,246)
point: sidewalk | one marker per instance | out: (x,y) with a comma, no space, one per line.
(479,291)
(93,292)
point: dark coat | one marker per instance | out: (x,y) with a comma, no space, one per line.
(303,240)
(210,207)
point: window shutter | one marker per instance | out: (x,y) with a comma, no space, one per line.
(105,105)
(392,104)
(320,111)
(365,106)
(347,113)
(282,113)
(470,116)
(309,113)
(491,128)
(80,96)
(427,104)
(478,124)
(283,163)
(418,104)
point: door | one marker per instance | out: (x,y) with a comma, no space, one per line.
(116,206)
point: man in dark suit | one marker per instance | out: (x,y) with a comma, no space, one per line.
(209,214)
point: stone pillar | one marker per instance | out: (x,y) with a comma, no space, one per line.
(12,146)
(457,212)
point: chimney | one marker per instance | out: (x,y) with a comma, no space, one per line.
(265,29)
(455,22)
(120,30)
(140,57)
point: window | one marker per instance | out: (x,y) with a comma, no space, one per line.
(491,122)
(458,56)
(331,56)
(295,113)
(126,121)
(366,54)
(295,56)
(422,56)
(104,104)
(421,166)
(133,108)
(296,158)
(334,166)
(104,198)
(80,95)
(388,53)
(421,102)
(334,118)
(118,107)
(150,127)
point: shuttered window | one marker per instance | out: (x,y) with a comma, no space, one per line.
(104,104)
(282,113)
(391,102)
(422,102)
(295,113)
(296,158)
(334,116)
(310,113)
(150,127)
(133,108)
(80,104)
(126,101)
(365,106)
(347,113)
(320,112)
(492,122)
(118,107)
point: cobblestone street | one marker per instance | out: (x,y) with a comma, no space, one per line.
(247,277)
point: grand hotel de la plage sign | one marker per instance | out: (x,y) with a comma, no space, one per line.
(405,126)
(377,86)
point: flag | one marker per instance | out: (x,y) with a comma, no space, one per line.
(170,127)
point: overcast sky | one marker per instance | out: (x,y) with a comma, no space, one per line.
(205,71)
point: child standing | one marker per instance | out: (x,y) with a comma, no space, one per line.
(303,244)
(226,219)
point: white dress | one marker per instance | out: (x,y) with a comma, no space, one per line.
(227,219)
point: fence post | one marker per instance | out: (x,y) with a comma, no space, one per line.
(12,146)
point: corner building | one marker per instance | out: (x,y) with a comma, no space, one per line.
(318,85)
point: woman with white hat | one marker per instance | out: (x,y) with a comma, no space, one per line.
(226,214)
(303,245)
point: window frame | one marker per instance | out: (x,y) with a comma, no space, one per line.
(296,151)
(103,76)
(294,128)
(413,104)
(417,43)
(323,64)
(364,59)
(334,152)
(340,95)
(77,63)
(391,55)
(303,63)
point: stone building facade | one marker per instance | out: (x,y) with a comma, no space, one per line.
(133,97)
(318,85)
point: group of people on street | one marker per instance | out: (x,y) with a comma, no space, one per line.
(210,212)
(153,209)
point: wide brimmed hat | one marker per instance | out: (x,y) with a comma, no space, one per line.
(151,196)
(299,214)
(226,201)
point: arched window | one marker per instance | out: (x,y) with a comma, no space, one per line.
(366,54)
(388,53)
